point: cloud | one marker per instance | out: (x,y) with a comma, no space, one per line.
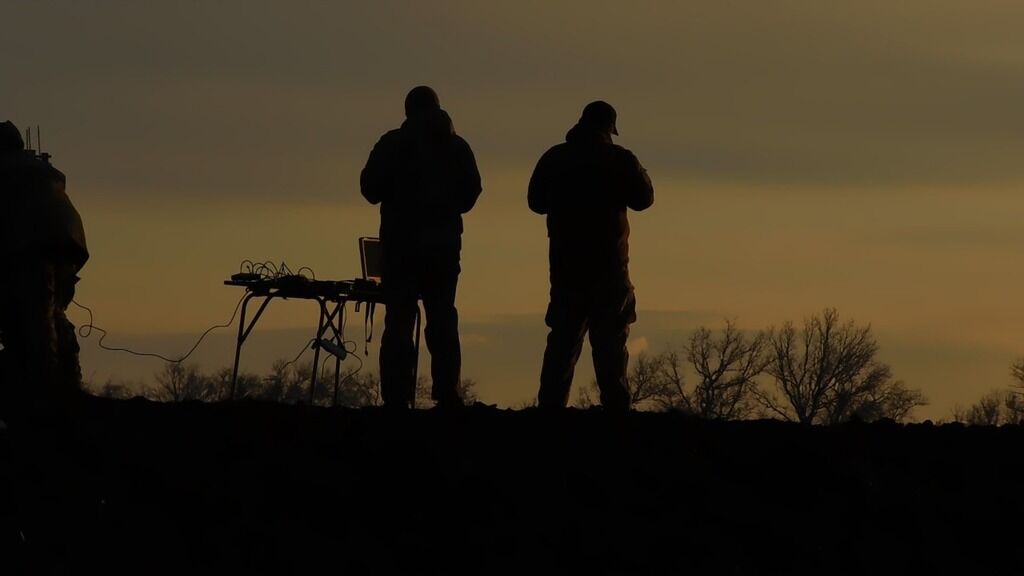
(637,345)
(262,100)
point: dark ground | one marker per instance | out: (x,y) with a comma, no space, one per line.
(248,488)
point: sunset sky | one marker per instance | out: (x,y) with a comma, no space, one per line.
(857,154)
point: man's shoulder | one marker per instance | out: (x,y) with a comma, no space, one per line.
(623,156)
(622,151)
(461,143)
(557,151)
(391,136)
(27,165)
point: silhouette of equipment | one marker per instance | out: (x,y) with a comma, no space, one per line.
(332,296)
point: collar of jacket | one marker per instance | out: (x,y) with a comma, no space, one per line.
(581,133)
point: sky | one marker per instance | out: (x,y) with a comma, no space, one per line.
(861,155)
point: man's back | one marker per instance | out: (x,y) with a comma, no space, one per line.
(584,186)
(38,217)
(425,177)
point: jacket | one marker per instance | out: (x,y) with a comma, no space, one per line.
(584,187)
(424,177)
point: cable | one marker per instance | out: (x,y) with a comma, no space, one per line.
(86,329)
(299,355)
(350,375)
(267,270)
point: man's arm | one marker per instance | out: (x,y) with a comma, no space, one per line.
(374,180)
(469,186)
(539,194)
(639,190)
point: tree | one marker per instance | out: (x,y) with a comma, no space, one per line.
(115,390)
(179,383)
(1016,402)
(824,371)
(646,383)
(466,387)
(891,399)
(997,407)
(726,366)
(248,385)
(356,390)
(288,382)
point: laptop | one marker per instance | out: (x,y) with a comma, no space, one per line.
(370,257)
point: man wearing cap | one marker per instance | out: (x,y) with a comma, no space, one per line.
(425,178)
(584,187)
(42,243)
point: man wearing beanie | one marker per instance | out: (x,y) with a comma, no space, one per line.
(42,243)
(424,177)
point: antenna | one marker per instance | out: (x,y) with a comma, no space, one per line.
(39,143)
(28,138)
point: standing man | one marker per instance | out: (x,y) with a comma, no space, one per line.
(584,186)
(425,178)
(42,245)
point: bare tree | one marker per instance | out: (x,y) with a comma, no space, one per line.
(588,396)
(248,385)
(288,382)
(892,399)
(115,390)
(989,410)
(466,387)
(646,383)
(726,366)
(673,386)
(1014,405)
(1016,402)
(179,383)
(822,371)
(997,407)
(356,390)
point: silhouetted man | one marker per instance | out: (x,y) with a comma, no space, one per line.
(425,178)
(584,186)
(43,248)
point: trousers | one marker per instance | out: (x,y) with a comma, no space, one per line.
(410,275)
(605,312)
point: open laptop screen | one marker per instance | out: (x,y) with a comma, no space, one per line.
(370,256)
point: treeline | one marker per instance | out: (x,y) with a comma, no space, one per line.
(286,382)
(822,371)
(999,406)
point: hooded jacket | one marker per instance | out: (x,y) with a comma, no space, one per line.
(584,186)
(37,217)
(424,177)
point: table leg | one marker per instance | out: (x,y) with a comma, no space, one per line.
(244,334)
(316,351)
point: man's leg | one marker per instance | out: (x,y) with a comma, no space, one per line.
(397,350)
(69,378)
(609,331)
(70,370)
(397,353)
(567,319)
(440,278)
(30,341)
